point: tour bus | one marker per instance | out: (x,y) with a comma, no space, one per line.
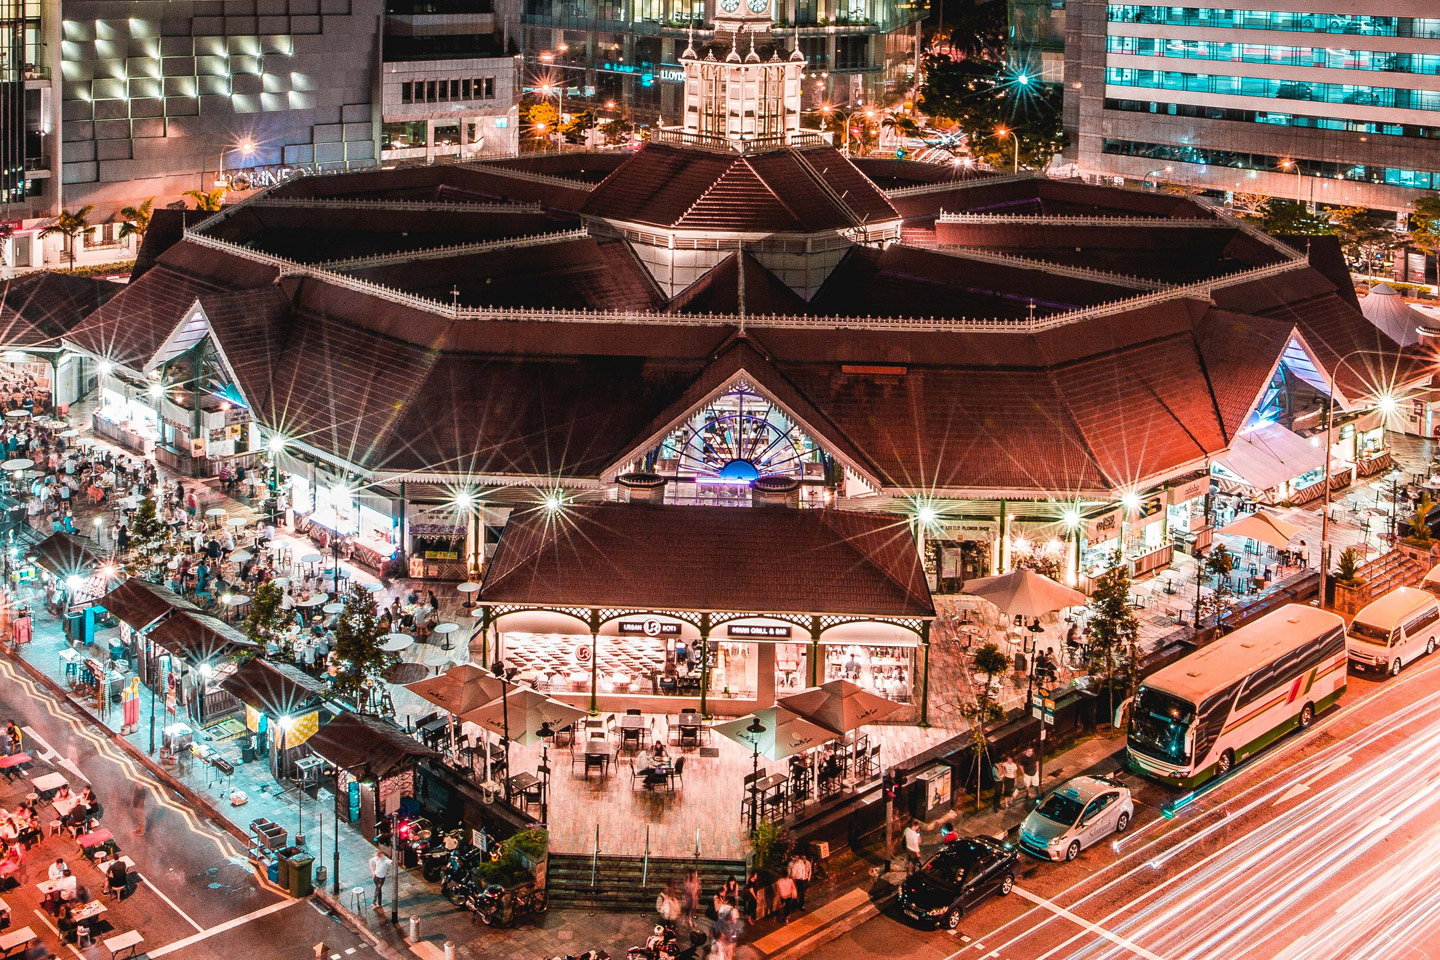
(1198,717)
(1390,632)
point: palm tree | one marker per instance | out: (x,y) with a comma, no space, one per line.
(137,220)
(206,200)
(900,125)
(70,225)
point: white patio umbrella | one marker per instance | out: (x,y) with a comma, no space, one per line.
(1024,593)
(786,732)
(462,688)
(1265,527)
(522,711)
(839,706)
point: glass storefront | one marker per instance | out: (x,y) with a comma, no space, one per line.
(632,665)
(882,669)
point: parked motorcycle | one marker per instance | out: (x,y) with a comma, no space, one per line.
(439,856)
(497,907)
(664,944)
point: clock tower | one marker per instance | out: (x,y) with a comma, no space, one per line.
(743,86)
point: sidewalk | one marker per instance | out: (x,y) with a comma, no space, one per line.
(862,887)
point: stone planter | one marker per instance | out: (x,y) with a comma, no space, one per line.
(1349,598)
(1426,557)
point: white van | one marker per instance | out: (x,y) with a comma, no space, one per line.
(1393,630)
(1431,583)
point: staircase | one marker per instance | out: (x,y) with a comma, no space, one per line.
(617,879)
(1377,578)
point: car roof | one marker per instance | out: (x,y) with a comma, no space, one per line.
(1085,789)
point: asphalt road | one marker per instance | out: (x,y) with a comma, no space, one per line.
(1324,847)
(198,898)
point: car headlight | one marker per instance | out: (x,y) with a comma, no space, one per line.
(937,912)
(1054,842)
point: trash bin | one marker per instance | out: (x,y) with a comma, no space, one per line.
(283,857)
(300,884)
(272,870)
(932,796)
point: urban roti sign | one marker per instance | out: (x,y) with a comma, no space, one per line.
(649,627)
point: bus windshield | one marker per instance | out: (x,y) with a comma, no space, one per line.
(1379,636)
(1159,724)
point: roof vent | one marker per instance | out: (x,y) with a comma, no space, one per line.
(642,487)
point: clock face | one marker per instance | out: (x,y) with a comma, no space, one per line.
(729,6)
(759,6)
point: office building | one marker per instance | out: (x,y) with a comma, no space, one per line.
(629,53)
(1339,104)
(1035,40)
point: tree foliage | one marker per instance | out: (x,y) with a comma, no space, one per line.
(981,710)
(1278,216)
(148,536)
(538,119)
(981,98)
(137,219)
(1425,225)
(208,201)
(1364,237)
(70,224)
(357,642)
(1114,628)
(265,622)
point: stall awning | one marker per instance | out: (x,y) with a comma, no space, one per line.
(1269,456)
(275,689)
(139,603)
(65,554)
(198,637)
(354,742)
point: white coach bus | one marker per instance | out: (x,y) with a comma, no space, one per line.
(1198,717)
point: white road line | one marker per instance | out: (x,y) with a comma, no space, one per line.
(170,948)
(1099,931)
(1300,788)
(45,919)
(173,906)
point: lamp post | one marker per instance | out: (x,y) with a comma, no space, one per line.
(1001,134)
(1294,165)
(1394,478)
(499,669)
(848,115)
(546,734)
(755,729)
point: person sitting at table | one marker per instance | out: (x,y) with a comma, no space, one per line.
(116,876)
(57,869)
(67,887)
(63,793)
(658,751)
(13,737)
(830,768)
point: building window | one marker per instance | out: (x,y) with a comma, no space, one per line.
(1234,159)
(407,93)
(1271,89)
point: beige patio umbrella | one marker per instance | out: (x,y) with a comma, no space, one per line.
(1265,527)
(1024,593)
(786,732)
(462,688)
(523,711)
(839,706)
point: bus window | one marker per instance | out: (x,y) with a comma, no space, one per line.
(1160,726)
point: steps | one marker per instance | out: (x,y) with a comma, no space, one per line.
(617,879)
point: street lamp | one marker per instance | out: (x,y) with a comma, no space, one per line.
(546,734)
(499,669)
(848,115)
(755,729)
(1001,134)
(1394,477)
(1294,165)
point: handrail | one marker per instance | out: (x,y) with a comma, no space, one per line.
(491,166)
(454,250)
(1045,266)
(1075,221)
(942,186)
(339,203)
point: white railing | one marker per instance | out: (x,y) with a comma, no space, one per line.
(944,186)
(545,178)
(453,250)
(326,203)
(1046,266)
(1059,221)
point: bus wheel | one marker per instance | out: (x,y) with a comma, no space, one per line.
(1395,668)
(1430,646)
(1307,716)
(1223,765)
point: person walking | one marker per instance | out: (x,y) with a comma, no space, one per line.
(785,889)
(692,897)
(1006,773)
(379,870)
(1030,773)
(911,841)
(800,870)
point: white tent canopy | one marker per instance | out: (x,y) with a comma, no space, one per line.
(1024,593)
(1270,455)
(1387,310)
(1264,527)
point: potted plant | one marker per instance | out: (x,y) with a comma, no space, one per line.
(1350,592)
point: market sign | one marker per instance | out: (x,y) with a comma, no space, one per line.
(649,627)
(1104,527)
(1190,489)
(757,630)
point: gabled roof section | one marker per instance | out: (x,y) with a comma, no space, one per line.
(781,191)
(718,291)
(738,360)
(38,309)
(656,557)
(1240,353)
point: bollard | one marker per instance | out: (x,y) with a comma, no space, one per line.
(449,950)
(414,929)
(320,950)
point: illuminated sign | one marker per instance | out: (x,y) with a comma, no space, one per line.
(756,630)
(649,627)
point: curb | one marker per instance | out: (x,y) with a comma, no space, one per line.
(834,931)
(198,801)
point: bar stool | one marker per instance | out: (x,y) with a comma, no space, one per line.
(358,898)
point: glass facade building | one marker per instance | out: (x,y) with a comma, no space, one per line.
(1243,96)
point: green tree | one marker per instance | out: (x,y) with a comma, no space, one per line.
(982,98)
(148,536)
(1219,564)
(208,201)
(357,643)
(981,710)
(70,225)
(1287,217)
(264,624)
(538,120)
(614,130)
(1348,572)
(137,219)
(899,126)
(573,130)
(1425,227)
(1419,528)
(1363,236)
(1114,628)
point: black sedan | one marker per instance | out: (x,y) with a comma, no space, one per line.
(958,877)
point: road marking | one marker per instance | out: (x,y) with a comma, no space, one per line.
(1099,931)
(173,906)
(170,948)
(45,919)
(1305,785)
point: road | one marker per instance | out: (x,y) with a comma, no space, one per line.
(1325,846)
(198,898)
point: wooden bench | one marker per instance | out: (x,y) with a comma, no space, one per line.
(127,941)
(17,940)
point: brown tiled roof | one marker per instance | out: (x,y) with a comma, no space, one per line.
(198,637)
(649,556)
(64,554)
(130,328)
(1239,352)
(277,689)
(355,742)
(788,190)
(38,309)
(139,603)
